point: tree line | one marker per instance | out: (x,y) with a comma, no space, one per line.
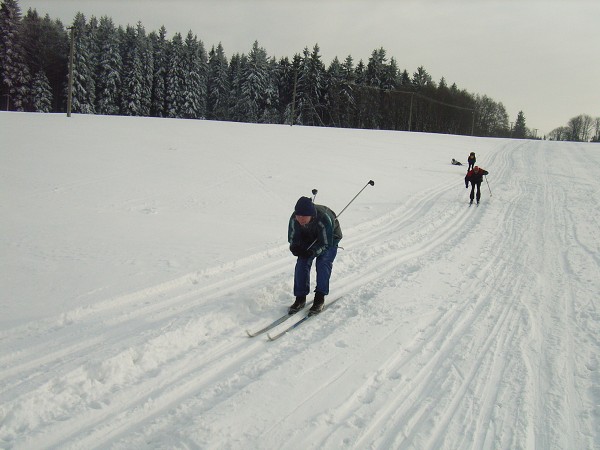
(582,128)
(127,71)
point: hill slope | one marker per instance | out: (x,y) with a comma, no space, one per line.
(136,252)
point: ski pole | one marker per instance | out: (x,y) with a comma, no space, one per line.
(488,185)
(314,193)
(371,183)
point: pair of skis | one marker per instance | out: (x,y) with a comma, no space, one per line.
(285,317)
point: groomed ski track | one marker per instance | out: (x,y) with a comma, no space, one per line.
(478,361)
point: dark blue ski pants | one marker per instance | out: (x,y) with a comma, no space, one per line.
(473,186)
(324,266)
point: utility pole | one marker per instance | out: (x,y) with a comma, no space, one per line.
(70,90)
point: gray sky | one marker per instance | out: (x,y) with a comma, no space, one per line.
(538,56)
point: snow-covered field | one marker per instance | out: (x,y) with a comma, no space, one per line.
(135,252)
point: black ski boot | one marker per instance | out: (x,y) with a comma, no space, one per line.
(298,304)
(318,304)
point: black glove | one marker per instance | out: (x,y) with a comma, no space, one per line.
(306,254)
(299,251)
(466,185)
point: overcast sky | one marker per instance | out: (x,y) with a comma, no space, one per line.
(538,56)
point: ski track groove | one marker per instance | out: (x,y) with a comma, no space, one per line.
(494,338)
(383,265)
(147,396)
(88,339)
(443,329)
(180,382)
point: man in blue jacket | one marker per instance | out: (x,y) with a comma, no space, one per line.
(313,233)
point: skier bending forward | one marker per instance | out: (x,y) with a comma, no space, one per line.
(475,176)
(313,233)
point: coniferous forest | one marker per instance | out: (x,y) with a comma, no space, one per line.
(128,71)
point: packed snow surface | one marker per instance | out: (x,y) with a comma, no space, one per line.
(135,253)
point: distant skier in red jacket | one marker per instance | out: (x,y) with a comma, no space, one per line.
(475,176)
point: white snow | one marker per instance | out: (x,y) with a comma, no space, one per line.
(135,252)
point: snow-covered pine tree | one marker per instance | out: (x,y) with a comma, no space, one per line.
(284,83)
(83,100)
(194,87)
(175,85)
(421,78)
(131,88)
(339,99)
(361,96)
(405,80)
(159,74)
(376,68)
(146,56)
(390,102)
(235,76)
(108,82)
(347,92)
(375,79)
(47,48)
(391,75)
(217,85)
(255,82)
(93,42)
(41,95)
(270,112)
(333,89)
(14,73)
(310,87)
(45,44)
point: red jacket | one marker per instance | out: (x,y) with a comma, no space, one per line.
(473,177)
